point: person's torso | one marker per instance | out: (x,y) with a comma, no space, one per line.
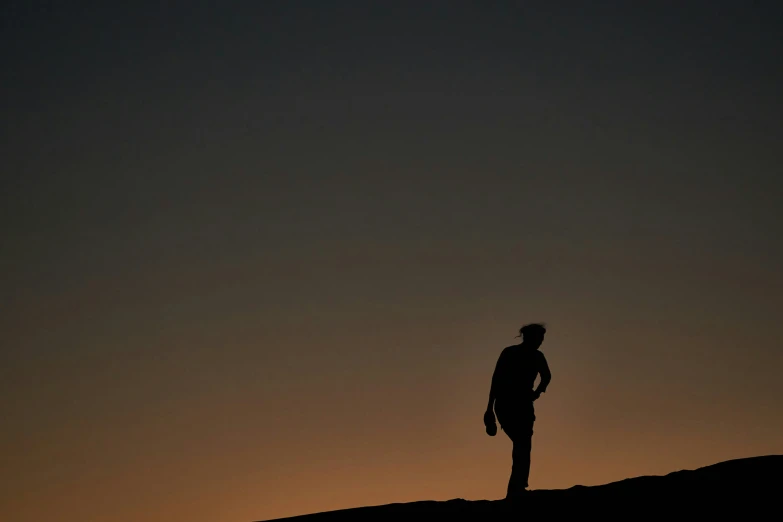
(518,372)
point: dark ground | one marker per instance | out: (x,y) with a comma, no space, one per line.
(743,488)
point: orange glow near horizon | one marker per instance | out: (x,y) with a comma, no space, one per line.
(244,416)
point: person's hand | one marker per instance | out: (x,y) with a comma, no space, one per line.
(536,395)
(489,423)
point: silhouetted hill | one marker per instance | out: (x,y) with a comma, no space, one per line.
(744,487)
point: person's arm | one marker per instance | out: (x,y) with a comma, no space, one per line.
(546,376)
(494,385)
(489,415)
(491,403)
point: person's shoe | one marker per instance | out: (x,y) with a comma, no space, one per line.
(489,424)
(492,429)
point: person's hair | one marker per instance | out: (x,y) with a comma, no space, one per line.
(532,329)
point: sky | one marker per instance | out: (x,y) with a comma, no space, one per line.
(259,259)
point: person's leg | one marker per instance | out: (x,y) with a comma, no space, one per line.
(520,431)
(520,457)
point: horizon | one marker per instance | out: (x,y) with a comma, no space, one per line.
(260,260)
(710,491)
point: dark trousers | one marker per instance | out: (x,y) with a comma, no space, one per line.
(517,422)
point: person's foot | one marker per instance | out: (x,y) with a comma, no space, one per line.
(517,494)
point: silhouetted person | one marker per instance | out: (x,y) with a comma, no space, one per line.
(511,396)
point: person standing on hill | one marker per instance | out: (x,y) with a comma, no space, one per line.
(511,396)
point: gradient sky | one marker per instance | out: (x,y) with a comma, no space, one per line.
(259,258)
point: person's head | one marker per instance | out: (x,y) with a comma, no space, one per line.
(532,334)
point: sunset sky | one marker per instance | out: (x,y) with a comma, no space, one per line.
(259,258)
